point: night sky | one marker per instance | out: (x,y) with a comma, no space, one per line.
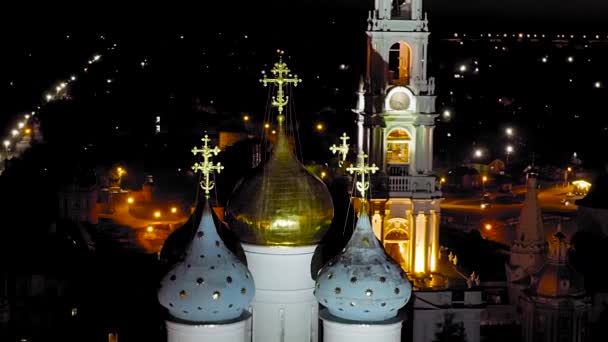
(175,60)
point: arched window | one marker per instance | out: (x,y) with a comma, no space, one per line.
(399,63)
(402,9)
(398,147)
(397,242)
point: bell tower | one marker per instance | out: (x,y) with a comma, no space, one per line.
(396,110)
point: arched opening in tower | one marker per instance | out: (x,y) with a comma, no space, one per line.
(399,63)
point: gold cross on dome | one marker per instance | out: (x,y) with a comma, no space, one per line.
(207,167)
(281,78)
(362,169)
(342,149)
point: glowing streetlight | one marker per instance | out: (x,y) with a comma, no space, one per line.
(157,214)
(150,229)
(447,114)
(323,174)
(509,131)
(509,150)
(274,132)
(7,143)
(20,125)
(173,210)
(597,84)
(130,200)
(478,153)
(442,180)
(320,127)
(488,226)
(267,125)
(462,68)
(570,59)
(28,131)
(14,132)
(484,179)
(246,118)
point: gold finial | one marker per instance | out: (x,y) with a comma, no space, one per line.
(342,149)
(281,78)
(207,166)
(362,169)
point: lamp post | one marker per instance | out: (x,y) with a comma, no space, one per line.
(7,144)
(509,150)
(568,170)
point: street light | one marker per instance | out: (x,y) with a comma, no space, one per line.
(7,144)
(173,210)
(130,200)
(568,170)
(478,153)
(484,179)
(509,131)
(319,127)
(509,150)
(157,214)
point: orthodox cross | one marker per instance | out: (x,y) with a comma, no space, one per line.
(207,167)
(362,169)
(342,149)
(281,78)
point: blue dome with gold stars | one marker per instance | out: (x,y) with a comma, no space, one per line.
(363,283)
(210,284)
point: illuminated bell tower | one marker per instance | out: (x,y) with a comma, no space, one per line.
(396,110)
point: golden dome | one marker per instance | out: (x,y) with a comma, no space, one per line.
(282,204)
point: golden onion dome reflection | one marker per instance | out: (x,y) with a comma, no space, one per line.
(282,204)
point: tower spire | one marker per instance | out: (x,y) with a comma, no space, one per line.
(282,77)
(207,167)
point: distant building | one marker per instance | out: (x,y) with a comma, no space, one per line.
(78,203)
(496,167)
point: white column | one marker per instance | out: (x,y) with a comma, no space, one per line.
(360,129)
(229,332)
(284,307)
(429,148)
(420,149)
(336,330)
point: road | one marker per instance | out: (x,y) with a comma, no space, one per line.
(496,221)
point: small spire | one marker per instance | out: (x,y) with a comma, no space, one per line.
(207,167)
(281,78)
(342,149)
(362,169)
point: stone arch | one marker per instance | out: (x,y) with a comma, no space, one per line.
(399,63)
(397,240)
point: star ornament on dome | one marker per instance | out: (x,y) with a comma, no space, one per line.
(342,149)
(281,78)
(362,169)
(207,167)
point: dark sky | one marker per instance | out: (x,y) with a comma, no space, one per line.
(445,15)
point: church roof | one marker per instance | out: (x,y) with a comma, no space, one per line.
(557,278)
(210,284)
(530,226)
(363,283)
(282,203)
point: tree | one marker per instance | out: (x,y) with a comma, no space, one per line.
(450,331)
